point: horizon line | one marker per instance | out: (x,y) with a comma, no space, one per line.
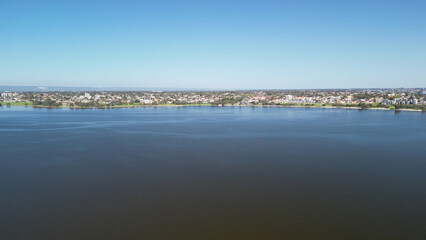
(46,88)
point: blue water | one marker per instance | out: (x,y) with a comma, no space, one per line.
(212,173)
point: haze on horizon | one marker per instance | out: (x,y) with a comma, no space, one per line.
(215,44)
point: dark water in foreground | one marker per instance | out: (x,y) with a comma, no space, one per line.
(212,173)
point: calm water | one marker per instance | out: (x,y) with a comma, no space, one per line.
(212,173)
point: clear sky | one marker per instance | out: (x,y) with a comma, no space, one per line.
(213,44)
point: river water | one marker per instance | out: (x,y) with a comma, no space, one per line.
(212,173)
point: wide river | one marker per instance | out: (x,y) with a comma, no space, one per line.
(212,173)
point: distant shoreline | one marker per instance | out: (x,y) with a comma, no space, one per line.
(208,105)
(353,108)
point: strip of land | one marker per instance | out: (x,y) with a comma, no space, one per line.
(379,99)
(362,107)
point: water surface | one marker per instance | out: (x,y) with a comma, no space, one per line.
(212,173)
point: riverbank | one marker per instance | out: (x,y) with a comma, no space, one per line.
(30,104)
(327,106)
(334,107)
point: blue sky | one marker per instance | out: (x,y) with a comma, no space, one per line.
(213,44)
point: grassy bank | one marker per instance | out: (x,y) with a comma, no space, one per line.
(16,103)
